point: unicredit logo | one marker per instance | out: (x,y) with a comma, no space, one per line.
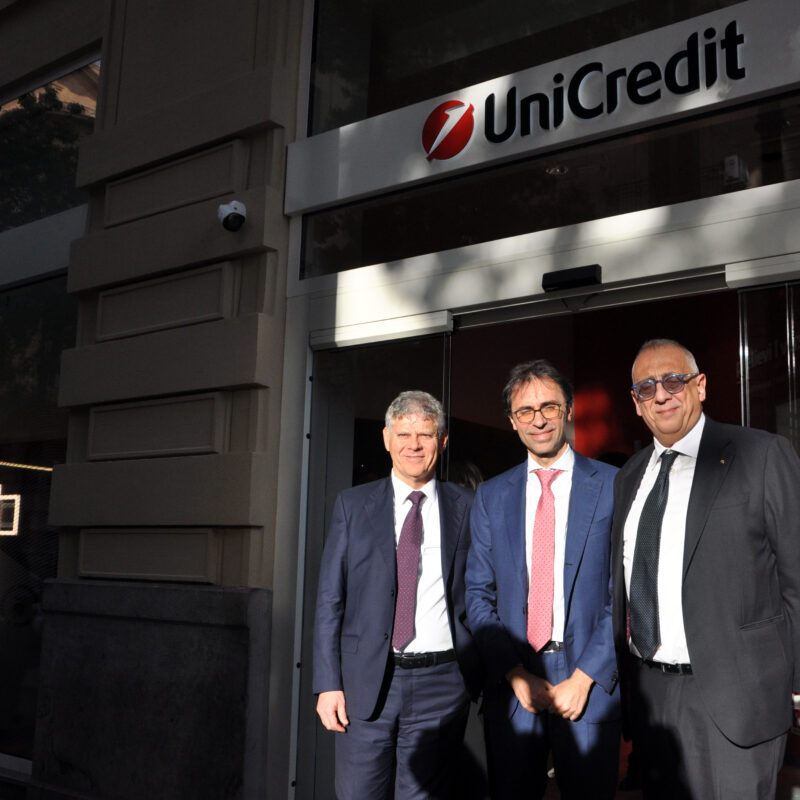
(592,90)
(448,130)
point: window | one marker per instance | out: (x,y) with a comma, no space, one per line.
(769,345)
(372,56)
(710,155)
(37,322)
(39,137)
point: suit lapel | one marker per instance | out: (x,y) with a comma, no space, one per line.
(379,510)
(584,494)
(513,503)
(714,459)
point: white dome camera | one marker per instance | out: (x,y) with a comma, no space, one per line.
(232,215)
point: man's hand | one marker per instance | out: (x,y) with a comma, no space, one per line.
(570,696)
(331,710)
(532,692)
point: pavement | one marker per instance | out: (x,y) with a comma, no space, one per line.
(788,779)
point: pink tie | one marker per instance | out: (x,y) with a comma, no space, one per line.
(540,591)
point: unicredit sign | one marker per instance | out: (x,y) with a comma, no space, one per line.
(594,90)
(738,53)
(591,91)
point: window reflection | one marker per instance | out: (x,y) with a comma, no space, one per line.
(37,322)
(371,57)
(39,138)
(769,350)
(363,381)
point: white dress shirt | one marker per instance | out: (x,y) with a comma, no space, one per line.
(561,487)
(431,625)
(673,649)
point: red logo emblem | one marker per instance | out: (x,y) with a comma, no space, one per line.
(448,130)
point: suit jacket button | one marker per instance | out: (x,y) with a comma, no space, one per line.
(385,636)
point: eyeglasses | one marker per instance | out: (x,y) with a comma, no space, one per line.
(548,411)
(672,383)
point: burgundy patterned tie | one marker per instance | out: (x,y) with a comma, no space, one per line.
(408,549)
(540,591)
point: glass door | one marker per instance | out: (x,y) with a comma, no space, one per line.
(595,350)
(37,322)
(769,343)
(467,370)
(351,391)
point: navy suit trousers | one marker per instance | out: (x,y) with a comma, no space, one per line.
(408,751)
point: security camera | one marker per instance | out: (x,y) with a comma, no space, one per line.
(232,215)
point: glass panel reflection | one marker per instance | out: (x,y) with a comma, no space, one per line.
(37,322)
(768,360)
(39,137)
(362,382)
(372,57)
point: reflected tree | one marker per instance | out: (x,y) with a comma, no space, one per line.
(39,136)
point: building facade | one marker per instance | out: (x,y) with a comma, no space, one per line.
(431,193)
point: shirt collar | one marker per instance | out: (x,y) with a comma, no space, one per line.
(689,445)
(565,462)
(402,490)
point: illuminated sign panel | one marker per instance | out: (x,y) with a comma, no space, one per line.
(9,513)
(739,53)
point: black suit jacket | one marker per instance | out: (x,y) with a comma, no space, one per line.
(741,577)
(357,587)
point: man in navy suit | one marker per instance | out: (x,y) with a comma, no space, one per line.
(539,604)
(394,663)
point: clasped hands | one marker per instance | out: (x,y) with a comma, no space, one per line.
(567,699)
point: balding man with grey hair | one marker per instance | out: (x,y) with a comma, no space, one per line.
(706,568)
(394,663)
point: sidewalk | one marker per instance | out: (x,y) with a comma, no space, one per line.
(788,786)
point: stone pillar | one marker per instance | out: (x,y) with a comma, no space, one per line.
(157,633)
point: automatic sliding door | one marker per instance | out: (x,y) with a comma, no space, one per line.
(595,350)
(351,390)
(769,359)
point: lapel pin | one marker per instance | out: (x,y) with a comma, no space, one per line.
(722,461)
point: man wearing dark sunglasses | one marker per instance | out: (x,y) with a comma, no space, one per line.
(706,569)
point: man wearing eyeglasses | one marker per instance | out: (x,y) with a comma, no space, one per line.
(539,604)
(707,590)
